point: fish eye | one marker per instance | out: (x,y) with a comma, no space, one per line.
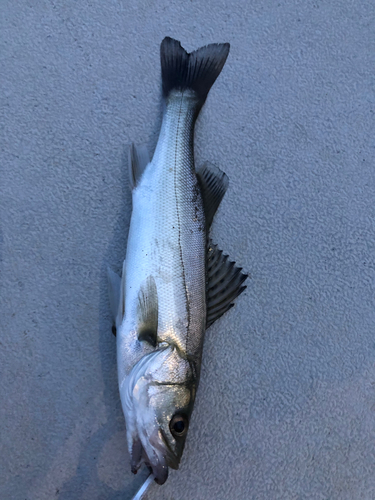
(178,425)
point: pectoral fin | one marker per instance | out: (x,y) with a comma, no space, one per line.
(114,286)
(224,283)
(121,308)
(147,312)
(213,183)
(116,293)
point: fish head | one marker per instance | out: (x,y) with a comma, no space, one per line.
(158,397)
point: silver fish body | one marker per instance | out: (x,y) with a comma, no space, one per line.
(175,283)
(167,240)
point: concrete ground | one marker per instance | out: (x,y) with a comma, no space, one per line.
(286,405)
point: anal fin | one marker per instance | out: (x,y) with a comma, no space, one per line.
(224,283)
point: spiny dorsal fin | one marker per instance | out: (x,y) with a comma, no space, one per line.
(213,183)
(224,283)
(138,161)
(147,312)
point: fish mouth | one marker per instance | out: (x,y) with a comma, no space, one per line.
(163,457)
(160,472)
(156,455)
(159,441)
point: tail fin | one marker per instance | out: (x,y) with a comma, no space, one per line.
(196,71)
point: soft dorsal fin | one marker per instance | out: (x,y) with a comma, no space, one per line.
(138,161)
(224,283)
(213,183)
(147,312)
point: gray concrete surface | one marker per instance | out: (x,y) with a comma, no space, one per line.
(286,406)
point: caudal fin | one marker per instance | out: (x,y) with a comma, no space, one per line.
(196,71)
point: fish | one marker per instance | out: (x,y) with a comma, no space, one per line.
(175,282)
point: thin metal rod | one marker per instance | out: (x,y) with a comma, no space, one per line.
(144,487)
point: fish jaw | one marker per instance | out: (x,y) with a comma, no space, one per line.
(159,387)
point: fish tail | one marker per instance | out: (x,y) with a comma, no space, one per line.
(196,71)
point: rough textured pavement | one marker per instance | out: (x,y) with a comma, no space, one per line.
(286,405)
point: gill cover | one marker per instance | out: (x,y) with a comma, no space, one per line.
(157,398)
